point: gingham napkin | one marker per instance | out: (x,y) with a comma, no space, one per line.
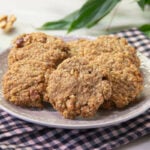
(16,134)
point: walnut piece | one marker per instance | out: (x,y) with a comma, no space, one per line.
(6,22)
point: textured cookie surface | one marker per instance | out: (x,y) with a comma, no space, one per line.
(27,39)
(25,82)
(126,78)
(38,51)
(38,46)
(77,89)
(103,44)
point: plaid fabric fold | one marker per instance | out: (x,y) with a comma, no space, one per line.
(16,134)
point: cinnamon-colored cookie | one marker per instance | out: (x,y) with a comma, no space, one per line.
(27,39)
(76,88)
(38,46)
(103,44)
(126,78)
(25,82)
(40,52)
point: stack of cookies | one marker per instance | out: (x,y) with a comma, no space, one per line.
(77,78)
(31,60)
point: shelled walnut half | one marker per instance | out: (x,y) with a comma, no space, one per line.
(6,22)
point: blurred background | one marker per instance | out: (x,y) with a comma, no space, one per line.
(33,13)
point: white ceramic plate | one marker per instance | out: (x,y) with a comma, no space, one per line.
(51,118)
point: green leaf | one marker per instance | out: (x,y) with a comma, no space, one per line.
(60,24)
(143,3)
(92,12)
(87,16)
(148,2)
(146,29)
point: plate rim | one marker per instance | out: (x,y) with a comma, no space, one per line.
(55,125)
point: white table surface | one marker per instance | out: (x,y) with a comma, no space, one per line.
(32,13)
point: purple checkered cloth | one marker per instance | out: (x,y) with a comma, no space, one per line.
(16,134)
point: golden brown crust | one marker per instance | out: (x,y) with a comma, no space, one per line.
(77,89)
(126,78)
(103,44)
(81,47)
(25,82)
(120,62)
(27,39)
(38,46)
(38,51)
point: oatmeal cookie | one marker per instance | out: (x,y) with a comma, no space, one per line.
(126,78)
(38,51)
(103,44)
(80,46)
(116,44)
(27,39)
(76,88)
(25,82)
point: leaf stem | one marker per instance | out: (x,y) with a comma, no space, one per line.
(113,16)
